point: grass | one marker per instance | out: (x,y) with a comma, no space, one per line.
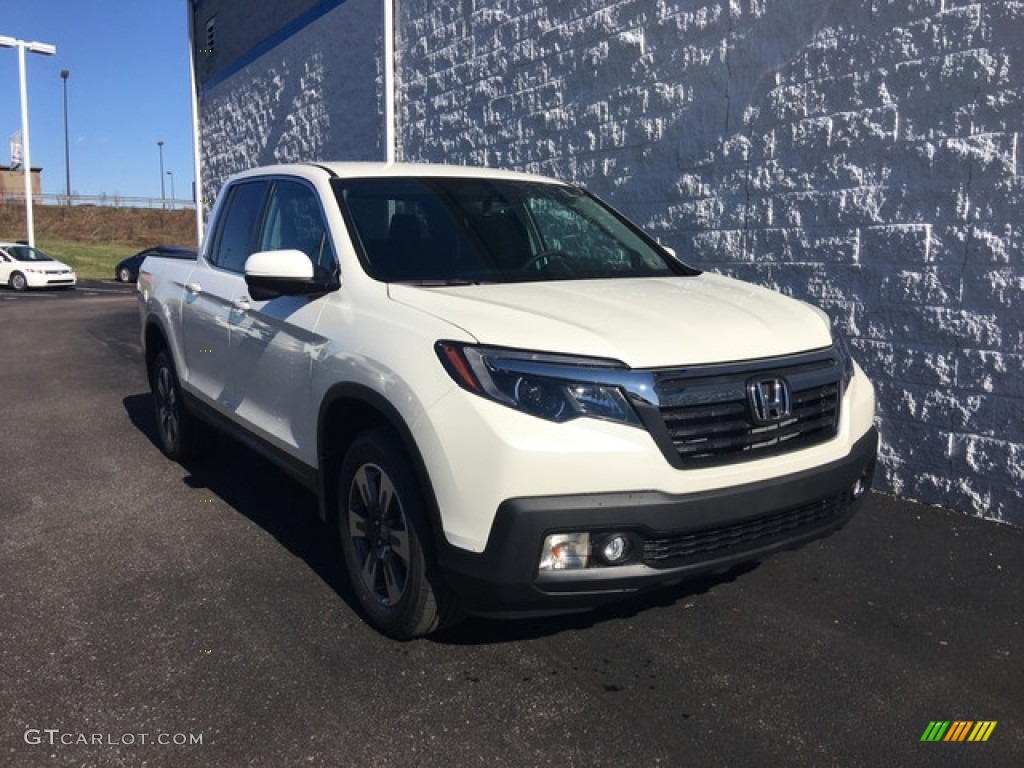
(92,239)
(91,261)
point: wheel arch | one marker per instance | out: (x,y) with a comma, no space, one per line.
(154,340)
(346,411)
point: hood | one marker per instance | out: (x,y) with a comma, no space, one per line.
(52,266)
(642,322)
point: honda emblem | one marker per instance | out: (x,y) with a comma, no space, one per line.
(769,399)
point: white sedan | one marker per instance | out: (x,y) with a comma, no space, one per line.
(22,266)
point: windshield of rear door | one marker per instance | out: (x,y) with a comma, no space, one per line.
(446,231)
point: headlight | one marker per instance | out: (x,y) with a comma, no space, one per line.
(553,387)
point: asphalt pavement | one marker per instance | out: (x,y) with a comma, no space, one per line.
(157,615)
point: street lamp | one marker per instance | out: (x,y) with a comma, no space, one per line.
(171,174)
(46,50)
(163,198)
(67,145)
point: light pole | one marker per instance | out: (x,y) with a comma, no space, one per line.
(46,50)
(171,174)
(67,145)
(163,198)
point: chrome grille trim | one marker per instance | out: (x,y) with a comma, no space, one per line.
(707,415)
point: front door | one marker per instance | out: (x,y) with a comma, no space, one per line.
(211,297)
(273,346)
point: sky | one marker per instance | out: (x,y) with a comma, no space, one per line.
(128,88)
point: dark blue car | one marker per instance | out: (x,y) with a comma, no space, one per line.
(127,270)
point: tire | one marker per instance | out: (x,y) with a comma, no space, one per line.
(18,282)
(124,275)
(182,436)
(385,540)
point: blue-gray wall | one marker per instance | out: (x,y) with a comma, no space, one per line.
(315,94)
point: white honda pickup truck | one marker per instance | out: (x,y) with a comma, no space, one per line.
(507,397)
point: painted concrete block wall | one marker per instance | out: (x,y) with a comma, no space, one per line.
(860,154)
(318,95)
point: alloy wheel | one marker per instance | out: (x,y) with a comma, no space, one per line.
(379,534)
(167,406)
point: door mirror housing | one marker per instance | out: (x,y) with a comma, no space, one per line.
(287,272)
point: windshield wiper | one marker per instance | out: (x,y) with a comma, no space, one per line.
(435,283)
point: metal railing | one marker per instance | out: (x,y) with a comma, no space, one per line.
(108,201)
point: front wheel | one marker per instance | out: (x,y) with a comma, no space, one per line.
(18,282)
(382,525)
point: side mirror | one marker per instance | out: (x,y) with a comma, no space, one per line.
(289,272)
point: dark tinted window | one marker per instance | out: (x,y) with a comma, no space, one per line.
(294,220)
(240,220)
(493,230)
(27,253)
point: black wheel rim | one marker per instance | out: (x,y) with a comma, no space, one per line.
(379,534)
(166,406)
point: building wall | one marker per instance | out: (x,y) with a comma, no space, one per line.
(316,94)
(861,154)
(237,29)
(12,183)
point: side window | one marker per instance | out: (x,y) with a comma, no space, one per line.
(239,223)
(294,220)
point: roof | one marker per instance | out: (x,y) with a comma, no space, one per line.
(371,169)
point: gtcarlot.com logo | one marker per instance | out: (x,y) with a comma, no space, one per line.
(55,736)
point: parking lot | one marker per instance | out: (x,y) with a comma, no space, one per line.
(166,616)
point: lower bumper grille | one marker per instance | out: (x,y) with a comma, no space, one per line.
(679,549)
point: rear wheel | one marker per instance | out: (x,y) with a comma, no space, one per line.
(18,281)
(385,541)
(182,436)
(124,275)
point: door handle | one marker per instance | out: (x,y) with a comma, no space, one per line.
(241,304)
(193,287)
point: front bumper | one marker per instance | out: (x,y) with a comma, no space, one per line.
(681,536)
(50,279)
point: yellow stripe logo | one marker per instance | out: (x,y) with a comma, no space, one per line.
(958,730)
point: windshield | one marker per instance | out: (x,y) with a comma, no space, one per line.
(26,253)
(467,230)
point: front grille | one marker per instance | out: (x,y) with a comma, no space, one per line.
(679,549)
(709,419)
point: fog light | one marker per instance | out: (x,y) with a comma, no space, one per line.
(615,549)
(565,551)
